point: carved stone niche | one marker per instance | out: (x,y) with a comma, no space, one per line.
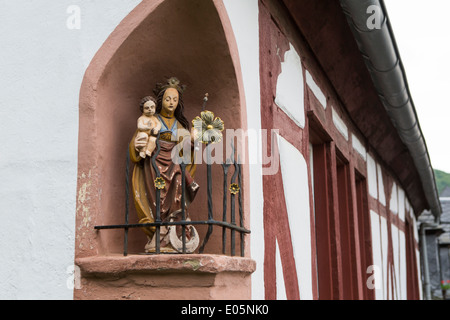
(199,48)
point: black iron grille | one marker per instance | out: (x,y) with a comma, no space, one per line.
(236,181)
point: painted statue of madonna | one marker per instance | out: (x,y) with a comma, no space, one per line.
(175,132)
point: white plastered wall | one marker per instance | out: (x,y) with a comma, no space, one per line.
(243,16)
(46,48)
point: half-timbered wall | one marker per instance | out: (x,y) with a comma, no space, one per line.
(337,224)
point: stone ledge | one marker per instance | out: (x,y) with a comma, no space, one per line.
(165,263)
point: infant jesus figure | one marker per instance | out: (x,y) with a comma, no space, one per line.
(148,126)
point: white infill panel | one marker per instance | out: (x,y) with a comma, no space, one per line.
(374,273)
(294,171)
(393,203)
(318,93)
(289,95)
(401,203)
(281,288)
(359,147)
(402,266)
(372,176)
(381,194)
(384,250)
(340,124)
(396,260)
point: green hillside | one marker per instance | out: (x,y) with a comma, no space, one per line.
(442,179)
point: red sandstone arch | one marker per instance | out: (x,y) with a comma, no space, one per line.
(191,40)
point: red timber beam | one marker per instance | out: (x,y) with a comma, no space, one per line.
(273,45)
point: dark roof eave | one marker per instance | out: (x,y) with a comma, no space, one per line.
(381,56)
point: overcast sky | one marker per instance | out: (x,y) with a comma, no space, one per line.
(422,35)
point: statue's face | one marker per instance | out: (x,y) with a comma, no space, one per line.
(149,108)
(170,100)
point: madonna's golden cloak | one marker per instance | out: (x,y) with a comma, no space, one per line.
(144,175)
